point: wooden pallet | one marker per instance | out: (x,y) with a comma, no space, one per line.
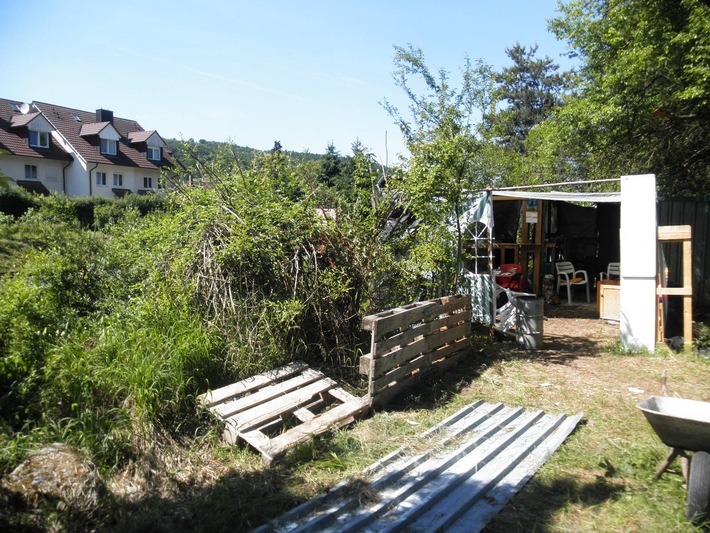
(282,408)
(408,343)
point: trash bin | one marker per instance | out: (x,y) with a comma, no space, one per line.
(529,320)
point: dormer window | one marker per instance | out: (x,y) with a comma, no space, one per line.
(109,146)
(153,153)
(39,139)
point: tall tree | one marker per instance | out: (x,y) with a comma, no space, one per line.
(643,99)
(527,92)
(440,134)
(331,165)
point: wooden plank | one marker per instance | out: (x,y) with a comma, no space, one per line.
(257,439)
(247,385)
(426,328)
(674,291)
(370,320)
(459,303)
(337,417)
(232,407)
(688,299)
(303,414)
(420,363)
(385,395)
(428,364)
(278,407)
(674,233)
(433,342)
(387,323)
(392,322)
(365,363)
(401,372)
(382,396)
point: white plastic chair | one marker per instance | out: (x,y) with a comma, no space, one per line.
(568,276)
(613,269)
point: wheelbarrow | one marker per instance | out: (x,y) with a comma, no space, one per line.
(684,425)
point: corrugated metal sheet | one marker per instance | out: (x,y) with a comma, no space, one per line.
(697,215)
(478,459)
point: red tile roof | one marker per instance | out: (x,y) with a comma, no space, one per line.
(22,120)
(63,120)
(92,129)
(140,136)
(14,139)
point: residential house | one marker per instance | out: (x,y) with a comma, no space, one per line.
(46,147)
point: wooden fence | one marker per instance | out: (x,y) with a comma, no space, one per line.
(409,342)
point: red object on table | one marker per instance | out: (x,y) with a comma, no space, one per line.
(510,277)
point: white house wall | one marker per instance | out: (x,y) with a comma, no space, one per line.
(132,179)
(49,172)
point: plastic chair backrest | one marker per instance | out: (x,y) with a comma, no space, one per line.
(564,267)
(614,269)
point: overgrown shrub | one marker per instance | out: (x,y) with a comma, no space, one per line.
(16,201)
(115,325)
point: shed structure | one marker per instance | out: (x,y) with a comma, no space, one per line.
(637,235)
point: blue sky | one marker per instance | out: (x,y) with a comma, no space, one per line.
(304,73)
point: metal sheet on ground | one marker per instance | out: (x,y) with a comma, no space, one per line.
(478,459)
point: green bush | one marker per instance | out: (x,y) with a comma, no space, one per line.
(16,201)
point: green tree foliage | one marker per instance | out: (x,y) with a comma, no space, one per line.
(440,131)
(331,166)
(642,101)
(526,92)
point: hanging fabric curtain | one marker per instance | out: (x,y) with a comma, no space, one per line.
(478,221)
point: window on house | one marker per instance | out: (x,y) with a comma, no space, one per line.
(40,139)
(108,146)
(100,178)
(30,172)
(153,153)
(147,182)
(118,180)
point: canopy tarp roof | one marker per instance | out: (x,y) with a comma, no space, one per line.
(591,197)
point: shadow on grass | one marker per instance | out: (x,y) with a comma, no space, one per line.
(236,501)
(534,507)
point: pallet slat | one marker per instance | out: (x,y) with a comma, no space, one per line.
(247,385)
(425,345)
(337,417)
(269,392)
(278,407)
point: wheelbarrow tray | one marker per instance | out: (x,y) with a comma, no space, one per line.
(678,422)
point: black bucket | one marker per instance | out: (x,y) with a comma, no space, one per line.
(529,319)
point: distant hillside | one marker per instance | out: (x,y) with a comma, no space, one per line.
(206,150)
